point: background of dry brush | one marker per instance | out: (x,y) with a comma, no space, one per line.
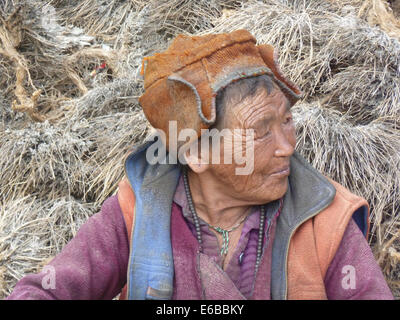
(64,131)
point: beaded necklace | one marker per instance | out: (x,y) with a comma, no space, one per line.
(225,233)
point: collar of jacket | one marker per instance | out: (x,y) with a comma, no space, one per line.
(151,268)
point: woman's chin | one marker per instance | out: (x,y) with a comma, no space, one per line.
(270,192)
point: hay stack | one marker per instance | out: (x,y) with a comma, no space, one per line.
(64,129)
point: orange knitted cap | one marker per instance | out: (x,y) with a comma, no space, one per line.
(182,82)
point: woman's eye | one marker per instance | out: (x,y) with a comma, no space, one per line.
(287,120)
(263,134)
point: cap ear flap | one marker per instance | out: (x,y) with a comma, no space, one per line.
(190,86)
(270,57)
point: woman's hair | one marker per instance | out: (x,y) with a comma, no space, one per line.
(237,91)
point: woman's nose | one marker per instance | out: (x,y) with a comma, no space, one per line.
(284,147)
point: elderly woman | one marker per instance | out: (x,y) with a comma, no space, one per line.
(201,230)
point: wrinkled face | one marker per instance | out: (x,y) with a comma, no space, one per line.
(274,142)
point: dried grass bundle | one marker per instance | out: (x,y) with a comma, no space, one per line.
(53,161)
(327,50)
(33,231)
(56,173)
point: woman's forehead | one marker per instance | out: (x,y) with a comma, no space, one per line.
(261,105)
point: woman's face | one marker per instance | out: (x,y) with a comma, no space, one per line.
(270,118)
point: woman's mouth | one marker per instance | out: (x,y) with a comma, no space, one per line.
(285,171)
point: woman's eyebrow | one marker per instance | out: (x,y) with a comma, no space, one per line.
(263,120)
(266,118)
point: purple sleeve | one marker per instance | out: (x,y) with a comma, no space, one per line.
(354,273)
(91,266)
